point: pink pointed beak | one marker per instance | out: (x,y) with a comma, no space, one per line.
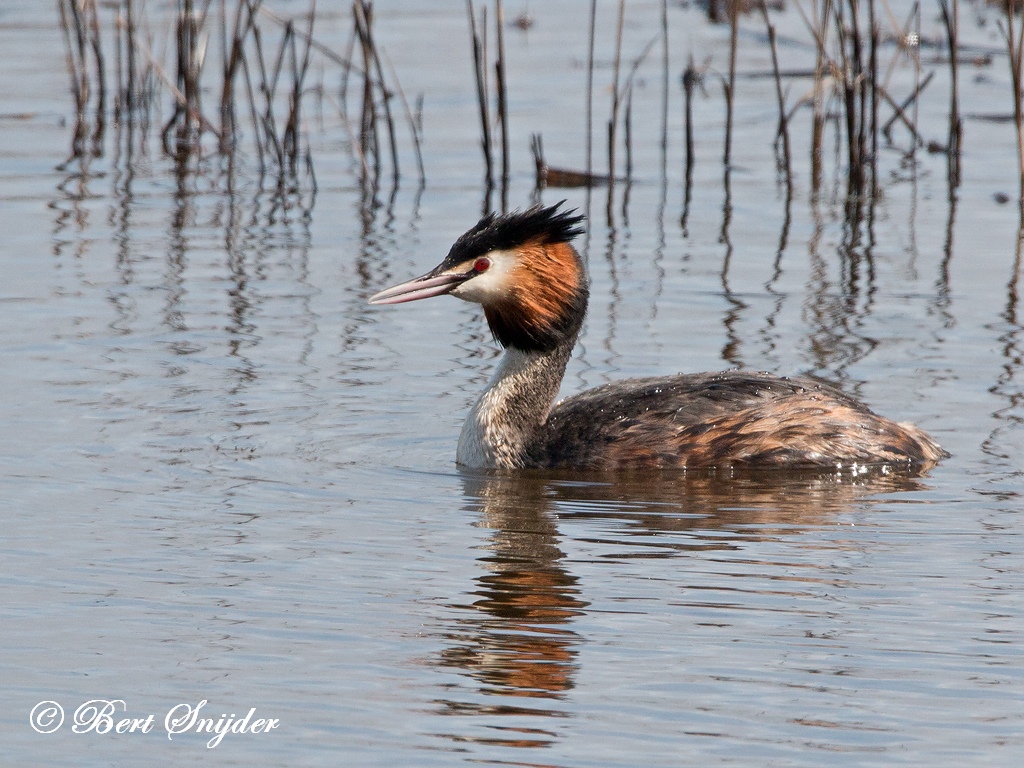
(423,287)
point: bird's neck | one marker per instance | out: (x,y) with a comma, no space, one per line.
(512,410)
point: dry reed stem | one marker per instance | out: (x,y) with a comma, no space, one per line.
(614,118)
(783,130)
(951,21)
(899,110)
(1015,51)
(590,89)
(691,79)
(502,93)
(733,10)
(479,40)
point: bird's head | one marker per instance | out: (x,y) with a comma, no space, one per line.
(523,270)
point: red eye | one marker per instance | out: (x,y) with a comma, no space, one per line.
(482,264)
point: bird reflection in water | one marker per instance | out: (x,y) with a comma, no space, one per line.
(516,639)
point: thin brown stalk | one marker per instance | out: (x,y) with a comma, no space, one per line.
(733,10)
(872,85)
(590,88)
(899,110)
(664,84)
(502,93)
(819,28)
(79,84)
(232,63)
(627,127)
(479,40)
(368,140)
(950,18)
(374,66)
(1015,50)
(783,131)
(691,78)
(614,119)
(415,126)
(267,88)
(292,132)
(903,118)
(253,114)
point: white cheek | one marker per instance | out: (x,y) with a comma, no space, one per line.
(490,285)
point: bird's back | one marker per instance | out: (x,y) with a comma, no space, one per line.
(722,419)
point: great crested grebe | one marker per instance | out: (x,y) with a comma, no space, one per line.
(532,285)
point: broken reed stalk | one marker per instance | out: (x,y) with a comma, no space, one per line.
(368,116)
(131,62)
(1015,50)
(849,37)
(119,76)
(479,39)
(76,72)
(292,126)
(502,93)
(97,50)
(614,119)
(254,115)
(819,28)
(951,20)
(782,136)
(664,87)
(80,23)
(899,111)
(872,86)
(691,78)
(590,89)
(187,121)
(627,129)
(269,88)
(372,65)
(415,125)
(232,63)
(733,9)
(350,48)
(917,73)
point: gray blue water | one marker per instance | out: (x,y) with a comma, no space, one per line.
(225,478)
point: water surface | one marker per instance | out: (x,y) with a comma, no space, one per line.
(226,478)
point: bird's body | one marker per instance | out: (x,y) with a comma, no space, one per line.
(532,285)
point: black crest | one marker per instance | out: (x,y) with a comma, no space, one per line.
(507,231)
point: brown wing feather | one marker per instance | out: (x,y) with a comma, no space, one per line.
(713,420)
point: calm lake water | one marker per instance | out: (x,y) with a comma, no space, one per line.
(225,478)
